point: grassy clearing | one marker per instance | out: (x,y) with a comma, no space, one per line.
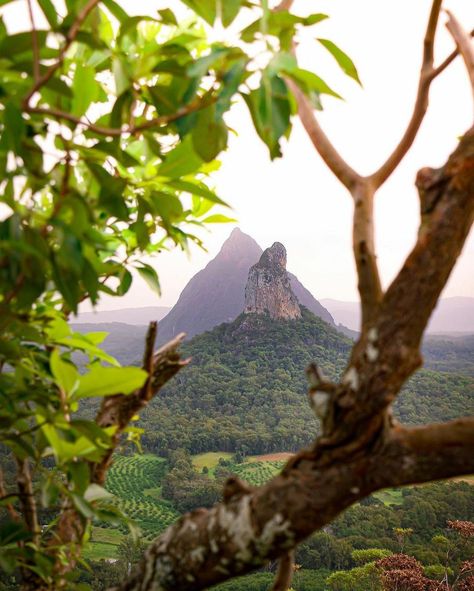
(390,496)
(100,551)
(106,535)
(209,459)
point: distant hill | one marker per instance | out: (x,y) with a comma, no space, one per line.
(246,388)
(125,315)
(452,315)
(216,293)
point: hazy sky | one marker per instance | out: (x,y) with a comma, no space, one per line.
(296,200)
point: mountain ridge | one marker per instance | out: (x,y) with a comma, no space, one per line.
(216,294)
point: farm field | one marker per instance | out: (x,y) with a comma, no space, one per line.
(136,481)
(209,459)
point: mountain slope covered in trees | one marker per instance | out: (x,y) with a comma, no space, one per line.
(245,389)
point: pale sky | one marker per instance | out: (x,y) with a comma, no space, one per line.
(296,200)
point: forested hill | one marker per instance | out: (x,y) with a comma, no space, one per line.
(246,388)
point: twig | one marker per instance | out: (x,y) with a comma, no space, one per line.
(284,573)
(70,37)
(148,357)
(127,129)
(443,65)
(34,39)
(27,499)
(4,496)
(421,102)
(464,44)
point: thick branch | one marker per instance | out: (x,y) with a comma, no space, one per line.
(431,452)
(208,546)
(447,213)
(363,244)
(421,102)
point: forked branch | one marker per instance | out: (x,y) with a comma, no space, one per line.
(421,101)
(464,45)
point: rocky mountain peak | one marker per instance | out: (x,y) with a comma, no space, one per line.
(275,255)
(268,289)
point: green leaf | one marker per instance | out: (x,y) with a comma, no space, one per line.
(115,9)
(65,374)
(344,61)
(150,276)
(209,134)
(106,381)
(270,109)
(95,492)
(20,43)
(201,66)
(206,9)
(181,161)
(218,218)
(80,475)
(83,506)
(49,12)
(308,82)
(229,10)
(167,206)
(122,80)
(168,16)
(199,189)
(85,89)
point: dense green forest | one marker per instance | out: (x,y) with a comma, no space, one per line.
(245,389)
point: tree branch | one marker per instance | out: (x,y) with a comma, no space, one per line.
(284,573)
(421,102)
(4,496)
(34,38)
(70,38)
(430,452)
(363,245)
(321,142)
(439,69)
(197,105)
(27,499)
(464,44)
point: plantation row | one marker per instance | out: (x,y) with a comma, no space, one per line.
(130,478)
(257,473)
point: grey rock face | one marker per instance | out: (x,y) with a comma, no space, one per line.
(268,289)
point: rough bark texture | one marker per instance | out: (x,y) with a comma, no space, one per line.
(360,449)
